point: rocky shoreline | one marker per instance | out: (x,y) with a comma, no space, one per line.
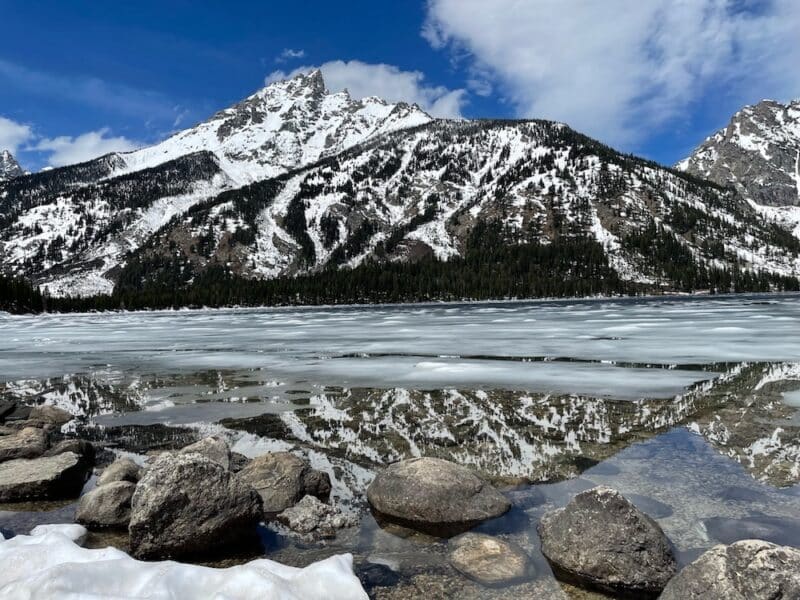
(202,502)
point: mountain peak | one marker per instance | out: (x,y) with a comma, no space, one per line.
(9,167)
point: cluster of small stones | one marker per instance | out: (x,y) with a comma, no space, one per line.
(205,500)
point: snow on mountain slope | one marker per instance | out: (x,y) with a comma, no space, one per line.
(9,167)
(758,153)
(424,191)
(282,126)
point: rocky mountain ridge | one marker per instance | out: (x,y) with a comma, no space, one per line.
(295,180)
(9,167)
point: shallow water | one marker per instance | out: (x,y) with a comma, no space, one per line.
(687,406)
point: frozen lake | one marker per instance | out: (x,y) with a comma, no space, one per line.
(621,348)
(689,406)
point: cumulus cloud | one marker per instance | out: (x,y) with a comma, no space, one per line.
(385,81)
(67,150)
(289,54)
(618,67)
(13,134)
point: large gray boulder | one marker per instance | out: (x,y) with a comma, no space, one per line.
(746,570)
(29,442)
(107,506)
(434,495)
(187,505)
(45,478)
(214,448)
(489,560)
(122,469)
(602,541)
(282,479)
(44,415)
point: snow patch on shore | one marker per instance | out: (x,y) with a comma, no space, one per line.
(50,564)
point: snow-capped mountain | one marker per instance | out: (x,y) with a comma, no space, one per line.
(295,179)
(759,154)
(9,167)
(283,126)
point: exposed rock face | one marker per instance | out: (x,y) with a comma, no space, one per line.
(434,495)
(9,167)
(758,152)
(489,560)
(188,505)
(80,447)
(311,515)
(41,416)
(46,478)
(122,469)
(107,506)
(214,448)
(29,442)
(282,479)
(746,570)
(602,541)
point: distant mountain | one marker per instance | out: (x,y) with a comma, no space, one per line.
(297,181)
(9,167)
(759,154)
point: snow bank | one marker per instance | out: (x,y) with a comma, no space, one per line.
(50,565)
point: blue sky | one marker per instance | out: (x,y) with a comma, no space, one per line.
(82,78)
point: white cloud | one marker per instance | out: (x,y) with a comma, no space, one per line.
(289,54)
(66,150)
(387,82)
(616,68)
(13,134)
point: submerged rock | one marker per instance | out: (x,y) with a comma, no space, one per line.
(435,495)
(45,478)
(107,506)
(489,560)
(746,570)
(122,469)
(282,479)
(311,515)
(214,448)
(29,442)
(188,505)
(602,541)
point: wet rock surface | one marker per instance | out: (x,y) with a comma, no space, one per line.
(45,478)
(746,570)
(602,541)
(122,469)
(435,495)
(107,506)
(187,505)
(282,479)
(489,560)
(312,516)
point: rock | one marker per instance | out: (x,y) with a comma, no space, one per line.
(122,469)
(214,448)
(317,483)
(281,478)
(20,412)
(187,505)
(778,530)
(45,478)
(238,462)
(374,575)
(746,570)
(6,407)
(489,560)
(26,443)
(434,495)
(310,515)
(48,415)
(80,447)
(602,541)
(107,506)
